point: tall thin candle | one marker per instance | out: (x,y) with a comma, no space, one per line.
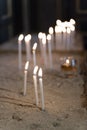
(35,83)
(20,38)
(28,50)
(34,53)
(41,87)
(25,76)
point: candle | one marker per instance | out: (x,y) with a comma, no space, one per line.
(35,83)
(20,38)
(44,49)
(41,87)
(58,22)
(51,31)
(34,53)
(72,21)
(25,76)
(67,62)
(49,50)
(58,37)
(64,38)
(72,27)
(40,36)
(68,38)
(28,50)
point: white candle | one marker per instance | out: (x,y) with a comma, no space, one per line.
(41,87)
(34,53)
(20,38)
(44,49)
(51,32)
(68,38)
(58,37)
(64,38)
(58,22)
(28,50)
(35,83)
(72,27)
(49,50)
(40,36)
(25,76)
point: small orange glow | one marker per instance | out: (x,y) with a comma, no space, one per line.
(67,61)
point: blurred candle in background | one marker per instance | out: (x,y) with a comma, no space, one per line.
(20,38)
(28,47)
(49,50)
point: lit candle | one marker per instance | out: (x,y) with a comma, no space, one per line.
(51,31)
(72,21)
(41,87)
(58,22)
(34,53)
(64,38)
(35,83)
(25,76)
(68,38)
(40,36)
(28,50)
(20,38)
(58,37)
(44,49)
(49,50)
(72,27)
(67,62)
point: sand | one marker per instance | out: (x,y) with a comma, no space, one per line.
(62,93)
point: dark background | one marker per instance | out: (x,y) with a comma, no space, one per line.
(39,15)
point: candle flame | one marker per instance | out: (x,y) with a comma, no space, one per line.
(58,29)
(68,30)
(27,38)
(21,36)
(40,72)
(34,46)
(26,65)
(48,37)
(67,61)
(58,22)
(64,29)
(40,35)
(35,70)
(44,38)
(51,30)
(72,28)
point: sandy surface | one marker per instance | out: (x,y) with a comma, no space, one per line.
(62,93)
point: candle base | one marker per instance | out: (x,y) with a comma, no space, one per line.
(68,67)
